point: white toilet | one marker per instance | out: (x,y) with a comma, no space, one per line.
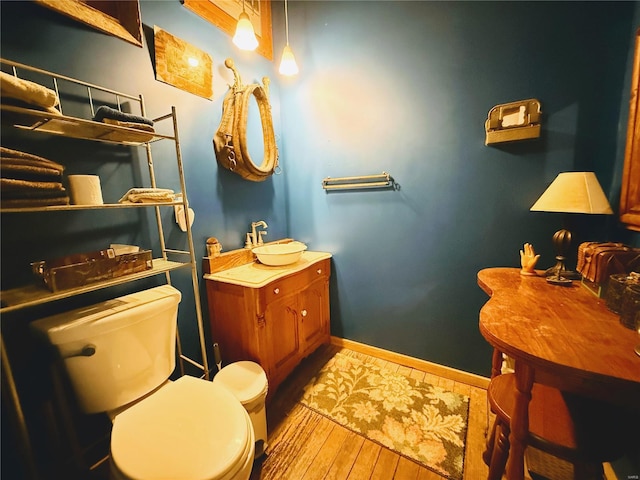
(119,355)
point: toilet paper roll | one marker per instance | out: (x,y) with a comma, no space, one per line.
(85,190)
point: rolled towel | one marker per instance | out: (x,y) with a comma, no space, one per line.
(108,112)
(30,92)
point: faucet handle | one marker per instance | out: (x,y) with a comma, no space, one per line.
(260,234)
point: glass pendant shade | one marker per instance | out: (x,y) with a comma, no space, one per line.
(288,64)
(245,37)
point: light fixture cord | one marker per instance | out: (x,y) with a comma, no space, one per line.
(286,20)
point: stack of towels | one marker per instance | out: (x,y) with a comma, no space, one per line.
(23,93)
(28,180)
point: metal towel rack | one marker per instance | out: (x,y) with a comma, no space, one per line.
(382,180)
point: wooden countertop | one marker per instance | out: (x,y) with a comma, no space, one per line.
(256,275)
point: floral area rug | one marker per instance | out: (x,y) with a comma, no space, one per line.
(423,422)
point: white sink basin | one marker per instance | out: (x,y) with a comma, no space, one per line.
(280,253)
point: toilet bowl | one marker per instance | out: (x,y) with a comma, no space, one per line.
(118,356)
(189,429)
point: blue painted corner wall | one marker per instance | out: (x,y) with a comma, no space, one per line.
(404,87)
(401,87)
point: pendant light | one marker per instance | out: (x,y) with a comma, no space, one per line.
(245,37)
(288,64)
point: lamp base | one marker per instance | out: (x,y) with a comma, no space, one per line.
(560,271)
(554,280)
(570,274)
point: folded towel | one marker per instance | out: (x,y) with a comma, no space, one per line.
(30,92)
(14,102)
(34,202)
(148,195)
(138,126)
(11,168)
(24,193)
(32,193)
(25,166)
(29,159)
(108,112)
(13,185)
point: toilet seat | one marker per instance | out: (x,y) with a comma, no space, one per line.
(189,429)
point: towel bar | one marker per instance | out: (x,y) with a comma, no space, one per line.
(383,180)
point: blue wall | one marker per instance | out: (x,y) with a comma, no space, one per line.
(402,87)
(405,87)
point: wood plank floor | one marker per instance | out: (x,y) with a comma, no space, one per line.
(304,445)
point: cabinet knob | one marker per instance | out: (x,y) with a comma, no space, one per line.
(276,291)
(304,313)
(319,271)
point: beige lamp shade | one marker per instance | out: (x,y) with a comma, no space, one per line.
(574,192)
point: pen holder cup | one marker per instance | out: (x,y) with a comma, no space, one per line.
(630,309)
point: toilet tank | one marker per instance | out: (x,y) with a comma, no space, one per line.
(119,350)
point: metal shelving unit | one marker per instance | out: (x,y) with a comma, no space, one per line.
(42,122)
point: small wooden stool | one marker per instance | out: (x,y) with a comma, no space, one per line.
(581,431)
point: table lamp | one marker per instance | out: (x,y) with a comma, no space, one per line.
(570,192)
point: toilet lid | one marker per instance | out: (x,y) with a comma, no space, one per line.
(246,380)
(189,429)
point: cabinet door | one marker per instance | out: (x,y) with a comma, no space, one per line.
(314,315)
(282,337)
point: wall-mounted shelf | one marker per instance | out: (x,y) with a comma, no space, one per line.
(27,119)
(513,121)
(54,208)
(31,295)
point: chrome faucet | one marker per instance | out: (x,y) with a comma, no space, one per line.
(255,237)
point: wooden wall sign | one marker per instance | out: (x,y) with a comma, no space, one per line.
(182,65)
(224,15)
(117,18)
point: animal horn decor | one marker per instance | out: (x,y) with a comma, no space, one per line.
(230,140)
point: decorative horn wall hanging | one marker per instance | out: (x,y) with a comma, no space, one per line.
(230,141)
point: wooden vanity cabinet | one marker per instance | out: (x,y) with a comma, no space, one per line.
(275,325)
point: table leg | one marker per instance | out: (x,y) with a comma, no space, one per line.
(520,421)
(496,363)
